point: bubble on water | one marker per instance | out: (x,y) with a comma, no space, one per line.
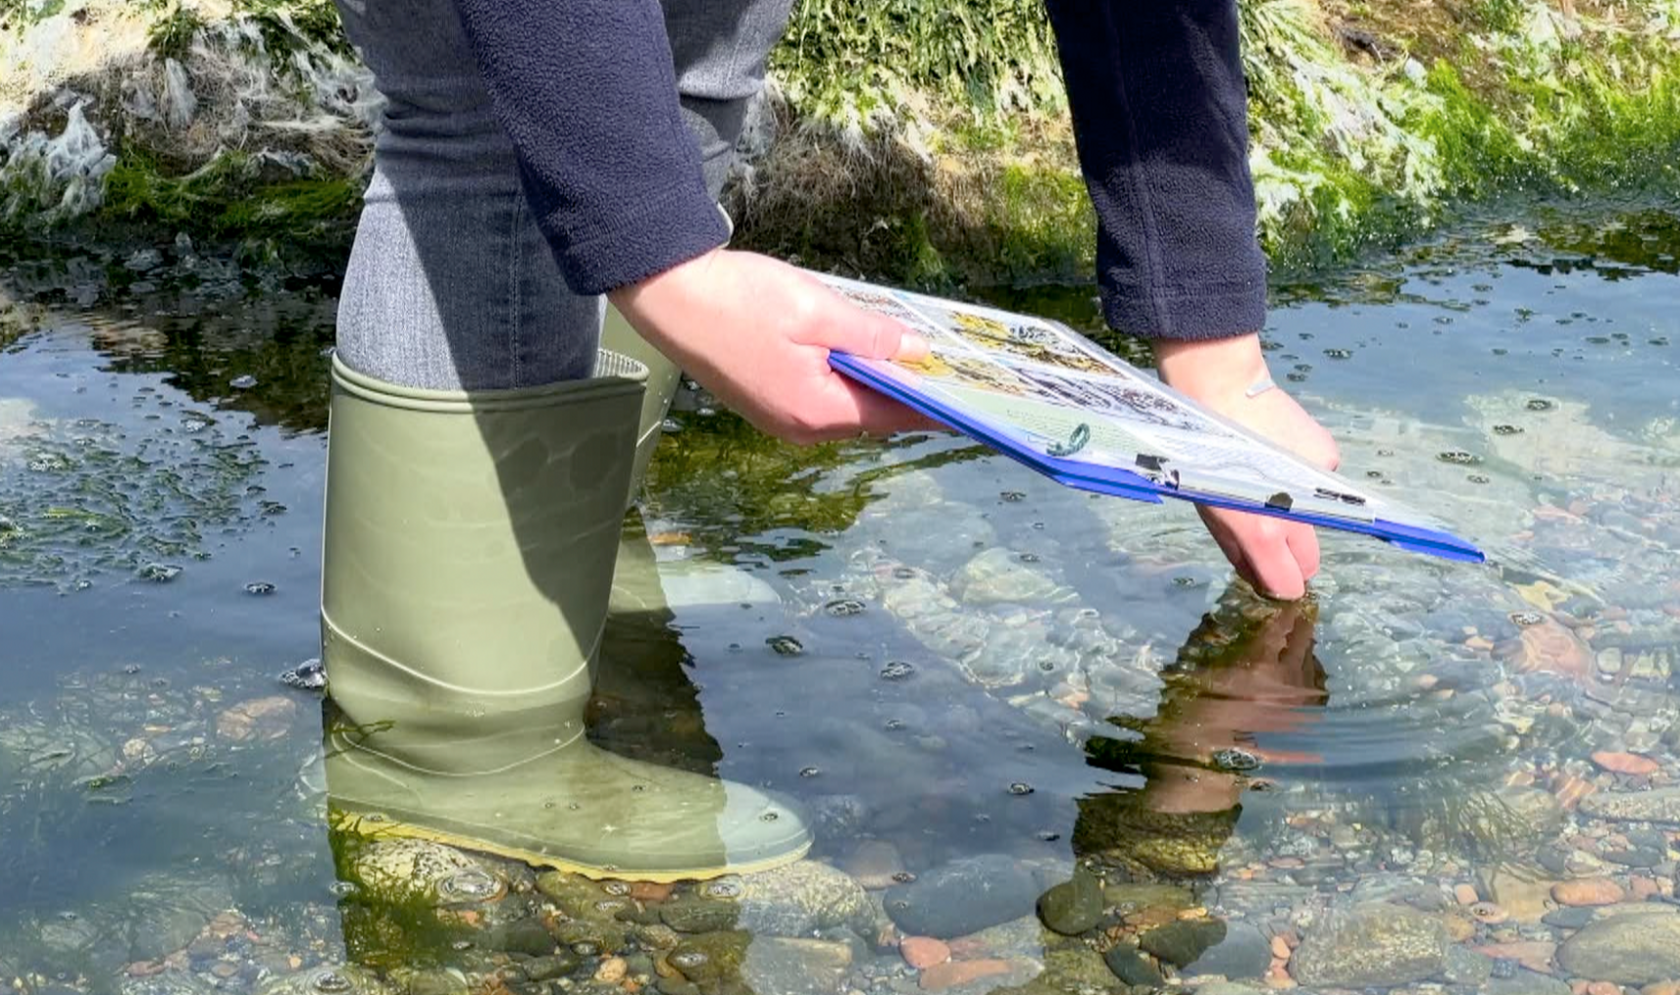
(726,888)
(1458,457)
(1013,496)
(259,588)
(687,960)
(1476,478)
(1527,618)
(1047,836)
(1660,340)
(903,877)
(585,948)
(1020,788)
(611,906)
(1339,353)
(343,889)
(1295,377)
(469,884)
(785,645)
(330,982)
(810,771)
(1028,557)
(131,669)
(670,426)
(617,889)
(770,816)
(897,670)
(1507,430)
(159,573)
(243,382)
(1539,404)
(895,725)
(844,607)
(1235,758)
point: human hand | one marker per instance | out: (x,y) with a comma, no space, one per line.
(1276,556)
(757,334)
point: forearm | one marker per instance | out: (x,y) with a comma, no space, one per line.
(1160,118)
(586,91)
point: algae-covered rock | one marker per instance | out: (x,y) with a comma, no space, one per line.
(1374,945)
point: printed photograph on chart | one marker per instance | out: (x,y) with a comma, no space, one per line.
(1020,338)
(945,366)
(1120,399)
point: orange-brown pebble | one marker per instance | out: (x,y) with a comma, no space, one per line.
(1466,894)
(1661,988)
(1459,926)
(1279,978)
(648,891)
(1643,888)
(1588,891)
(631,985)
(612,970)
(1536,955)
(1578,988)
(1280,949)
(1604,988)
(960,972)
(1287,863)
(923,952)
(1626,763)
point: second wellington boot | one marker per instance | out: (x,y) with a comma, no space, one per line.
(469,552)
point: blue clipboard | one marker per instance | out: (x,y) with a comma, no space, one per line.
(1120,482)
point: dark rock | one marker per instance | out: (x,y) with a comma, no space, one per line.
(1570,917)
(712,958)
(1635,857)
(525,936)
(1132,967)
(552,966)
(1074,906)
(1466,967)
(962,897)
(1184,941)
(1243,953)
(699,915)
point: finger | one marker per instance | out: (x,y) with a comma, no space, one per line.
(1274,563)
(878,415)
(869,335)
(1303,544)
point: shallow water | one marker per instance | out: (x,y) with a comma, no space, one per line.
(938,654)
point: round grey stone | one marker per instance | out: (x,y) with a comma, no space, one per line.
(1371,946)
(962,897)
(1635,949)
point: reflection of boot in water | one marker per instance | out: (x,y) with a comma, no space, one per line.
(1247,669)
(470,542)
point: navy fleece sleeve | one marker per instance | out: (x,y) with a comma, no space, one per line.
(588,95)
(1160,118)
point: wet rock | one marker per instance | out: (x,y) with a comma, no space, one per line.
(712,958)
(260,719)
(1183,941)
(998,576)
(167,910)
(699,915)
(1466,967)
(1588,891)
(1567,918)
(399,871)
(1549,647)
(1523,892)
(796,966)
(962,972)
(175,981)
(436,981)
(801,898)
(1074,906)
(1634,949)
(1375,945)
(1625,763)
(1076,968)
(1656,805)
(875,864)
(922,952)
(1132,967)
(1524,982)
(524,936)
(1243,953)
(963,897)
(340,979)
(555,965)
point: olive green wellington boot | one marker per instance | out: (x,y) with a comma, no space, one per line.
(468,561)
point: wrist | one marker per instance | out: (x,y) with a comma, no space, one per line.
(1211,369)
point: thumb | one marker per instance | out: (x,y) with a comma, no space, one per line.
(868,335)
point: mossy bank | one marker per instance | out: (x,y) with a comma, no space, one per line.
(922,143)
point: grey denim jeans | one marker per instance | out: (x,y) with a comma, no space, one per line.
(450,285)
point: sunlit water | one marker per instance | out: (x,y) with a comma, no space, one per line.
(941,651)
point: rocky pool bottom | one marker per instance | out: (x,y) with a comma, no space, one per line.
(1045,747)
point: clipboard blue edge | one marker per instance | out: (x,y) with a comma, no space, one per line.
(1119,482)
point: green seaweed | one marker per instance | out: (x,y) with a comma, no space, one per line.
(171,37)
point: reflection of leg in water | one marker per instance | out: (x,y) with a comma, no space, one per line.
(1248,670)
(478,475)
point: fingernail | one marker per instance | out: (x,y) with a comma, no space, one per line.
(912,348)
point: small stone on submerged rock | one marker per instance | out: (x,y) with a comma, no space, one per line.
(923,952)
(1588,892)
